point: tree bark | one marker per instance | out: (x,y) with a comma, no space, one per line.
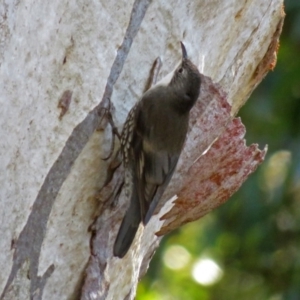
(61,63)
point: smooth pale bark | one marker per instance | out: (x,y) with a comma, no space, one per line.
(60,62)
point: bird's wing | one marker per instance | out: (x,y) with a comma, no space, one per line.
(132,217)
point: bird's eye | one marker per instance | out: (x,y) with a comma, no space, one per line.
(180,70)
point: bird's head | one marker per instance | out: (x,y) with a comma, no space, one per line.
(186,80)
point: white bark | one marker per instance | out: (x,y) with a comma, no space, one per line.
(51,167)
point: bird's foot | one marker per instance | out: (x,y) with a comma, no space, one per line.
(105,114)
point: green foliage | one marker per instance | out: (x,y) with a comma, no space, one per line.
(255,236)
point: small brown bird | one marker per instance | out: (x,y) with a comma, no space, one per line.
(151,142)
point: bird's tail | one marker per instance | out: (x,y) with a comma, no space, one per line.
(128,228)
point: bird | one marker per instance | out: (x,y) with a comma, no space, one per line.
(152,139)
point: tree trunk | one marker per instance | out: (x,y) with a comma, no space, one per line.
(61,63)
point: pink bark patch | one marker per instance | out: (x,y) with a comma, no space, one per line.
(214,177)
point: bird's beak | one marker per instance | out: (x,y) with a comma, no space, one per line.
(184,53)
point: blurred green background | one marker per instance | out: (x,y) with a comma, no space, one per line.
(249,248)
